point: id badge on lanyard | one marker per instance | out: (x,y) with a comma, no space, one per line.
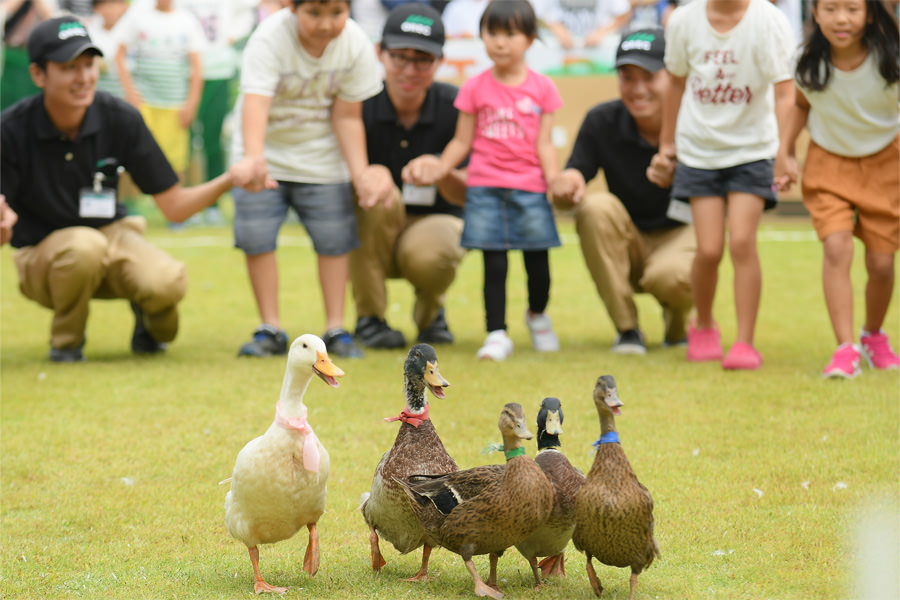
(97,202)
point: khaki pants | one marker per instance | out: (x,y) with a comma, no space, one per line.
(423,249)
(73,265)
(623,261)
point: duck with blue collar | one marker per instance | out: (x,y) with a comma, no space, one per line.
(613,510)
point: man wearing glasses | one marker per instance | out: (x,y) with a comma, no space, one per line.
(416,238)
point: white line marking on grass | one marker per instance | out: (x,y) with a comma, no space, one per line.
(300,241)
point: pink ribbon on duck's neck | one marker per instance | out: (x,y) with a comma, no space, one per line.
(310,448)
(408,417)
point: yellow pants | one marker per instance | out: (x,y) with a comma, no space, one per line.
(624,261)
(423,249)
(73,265)
(170,135)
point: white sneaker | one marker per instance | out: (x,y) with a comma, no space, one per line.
(497,346)
(543,338)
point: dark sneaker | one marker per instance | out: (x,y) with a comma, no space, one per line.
(339,342)
(376,333)
(438,332)
(267,341)
(66,355)
(679,343)
(141,340)
(630,342)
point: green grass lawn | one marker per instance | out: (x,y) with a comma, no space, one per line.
(110,468)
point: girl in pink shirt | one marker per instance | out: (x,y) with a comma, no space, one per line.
(505,119)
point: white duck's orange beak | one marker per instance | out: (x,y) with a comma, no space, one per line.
(327,370)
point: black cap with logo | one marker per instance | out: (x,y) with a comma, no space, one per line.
(645,48)
(416,26)
(62,39)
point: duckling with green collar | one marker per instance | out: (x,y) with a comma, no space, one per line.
(417,449)
(485,510)
(551,538)
(613,510)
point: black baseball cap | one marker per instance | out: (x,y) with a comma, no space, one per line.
(416,26)
(59,40)
(644,48)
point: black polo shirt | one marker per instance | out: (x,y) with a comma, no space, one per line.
(390,144)
(608,139)
(42,171)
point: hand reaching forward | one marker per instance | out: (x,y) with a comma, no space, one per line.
(374,185)
(662,168)
(252,174)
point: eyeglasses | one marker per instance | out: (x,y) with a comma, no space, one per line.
(420,62)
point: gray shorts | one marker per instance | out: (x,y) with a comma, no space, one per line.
(752,178)
(325,210)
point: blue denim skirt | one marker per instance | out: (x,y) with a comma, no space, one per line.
(505,219)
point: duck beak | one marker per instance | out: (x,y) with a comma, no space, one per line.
(436,383)
(552,425)
(327,370)
(522,430)
(613,402)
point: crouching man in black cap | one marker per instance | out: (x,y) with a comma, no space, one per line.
(634,238)
(417,237)
(62,151)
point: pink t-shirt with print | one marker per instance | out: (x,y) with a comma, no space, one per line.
(507,120)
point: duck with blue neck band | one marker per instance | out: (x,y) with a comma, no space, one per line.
(610,437)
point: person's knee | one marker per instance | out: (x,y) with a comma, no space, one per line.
(880,265)
(598,208)
(81,251)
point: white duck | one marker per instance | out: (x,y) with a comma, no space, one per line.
(278,482)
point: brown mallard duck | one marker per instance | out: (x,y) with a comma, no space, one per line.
(485,510)
(278,482)
(417,449)
(613,511)
(551,538)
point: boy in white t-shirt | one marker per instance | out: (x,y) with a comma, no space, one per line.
(300,143)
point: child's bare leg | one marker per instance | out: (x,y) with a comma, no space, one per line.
(879,288)
(334,273)
(837,258)
(709,225)
(744,212)
(263,272)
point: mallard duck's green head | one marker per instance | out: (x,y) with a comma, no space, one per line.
(308,351)
(606,396)
(549,423)
(421,371)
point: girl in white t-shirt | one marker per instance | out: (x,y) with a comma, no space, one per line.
(725,58)
(847,77)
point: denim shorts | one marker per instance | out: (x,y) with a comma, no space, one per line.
(505,219)
(755,177)
(325,210)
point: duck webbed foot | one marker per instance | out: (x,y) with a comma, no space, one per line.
(259,584)
(554,565)
(422,575)
(592,576)
(377,560)
(481,588)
